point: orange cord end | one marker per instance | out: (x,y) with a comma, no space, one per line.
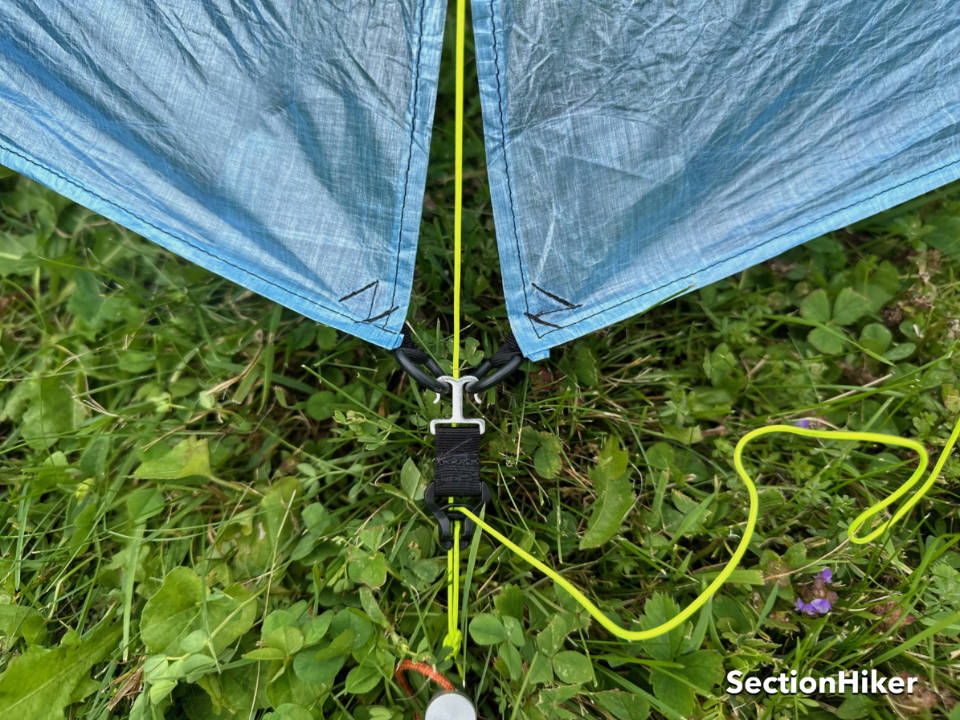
(428,671)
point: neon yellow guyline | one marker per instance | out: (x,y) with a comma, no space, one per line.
(718,582)
(453,639)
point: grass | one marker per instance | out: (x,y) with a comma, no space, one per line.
(210,504)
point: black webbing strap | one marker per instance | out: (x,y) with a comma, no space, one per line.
(457,464)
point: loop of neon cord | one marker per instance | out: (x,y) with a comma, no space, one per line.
(717,583)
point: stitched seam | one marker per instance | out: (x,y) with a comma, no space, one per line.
(384,314)
(568,305)
(748,250)
(506,164)
(413,128)
(169,234)
(371,318)
(540,320)
(357,292)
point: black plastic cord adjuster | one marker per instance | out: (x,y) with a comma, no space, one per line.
(445,514)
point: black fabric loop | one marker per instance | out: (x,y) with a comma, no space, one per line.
(457,464)
(412,357)
(413,352)
(506,352)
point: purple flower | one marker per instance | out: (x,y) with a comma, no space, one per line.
(821,605)
(817,606)
(802,423)
(819,599)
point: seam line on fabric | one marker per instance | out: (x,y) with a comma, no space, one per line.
(506,164)
(384,314)
(765,242)
(167,233)
(357,292)
(569,305)
(413,131)
(538,319)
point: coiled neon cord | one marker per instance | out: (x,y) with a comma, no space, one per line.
(717,583)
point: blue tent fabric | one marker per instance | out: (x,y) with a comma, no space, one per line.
(281,144)
(635,151)
(640,150)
